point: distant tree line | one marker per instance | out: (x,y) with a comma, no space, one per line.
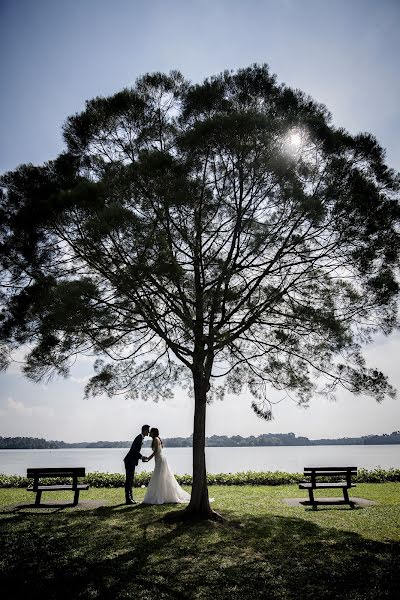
(266,439)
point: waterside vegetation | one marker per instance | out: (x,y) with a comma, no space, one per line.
(265,439)
(253,478)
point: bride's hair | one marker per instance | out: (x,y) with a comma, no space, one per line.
(156,434)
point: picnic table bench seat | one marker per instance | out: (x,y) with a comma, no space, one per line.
(53,472)
(345,483)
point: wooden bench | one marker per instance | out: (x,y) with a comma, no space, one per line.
(74,472)
(344,473)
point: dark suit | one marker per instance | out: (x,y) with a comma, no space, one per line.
(131,460)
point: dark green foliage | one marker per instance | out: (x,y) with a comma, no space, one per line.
(182,238)
(116,480)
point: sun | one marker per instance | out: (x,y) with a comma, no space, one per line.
(295,139)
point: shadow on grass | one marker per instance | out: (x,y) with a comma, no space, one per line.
(41,507)
(122,552)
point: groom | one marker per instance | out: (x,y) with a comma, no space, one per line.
(131,461)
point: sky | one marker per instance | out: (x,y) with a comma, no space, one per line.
(56,54)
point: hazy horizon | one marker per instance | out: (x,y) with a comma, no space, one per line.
(187,437)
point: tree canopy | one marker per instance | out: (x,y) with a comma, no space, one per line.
(218,236)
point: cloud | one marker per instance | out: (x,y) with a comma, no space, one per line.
(18,408)
(83,358)
(80,380)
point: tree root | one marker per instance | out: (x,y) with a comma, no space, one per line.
(191,515)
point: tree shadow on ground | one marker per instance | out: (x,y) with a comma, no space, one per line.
(123,553)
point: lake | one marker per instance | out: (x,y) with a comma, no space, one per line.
(219,460)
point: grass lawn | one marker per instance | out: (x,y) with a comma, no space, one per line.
(264,549)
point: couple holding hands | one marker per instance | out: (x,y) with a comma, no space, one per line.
(163,487)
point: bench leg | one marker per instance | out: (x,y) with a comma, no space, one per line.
(311,495)
(76,497)
(38,497)
(346,497)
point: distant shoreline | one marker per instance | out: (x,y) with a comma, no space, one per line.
(215,441)
(91,447)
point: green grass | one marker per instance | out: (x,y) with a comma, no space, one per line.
(264,549)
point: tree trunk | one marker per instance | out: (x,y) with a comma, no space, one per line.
(199,507)
(199,503)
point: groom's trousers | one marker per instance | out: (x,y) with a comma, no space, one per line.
(129,475)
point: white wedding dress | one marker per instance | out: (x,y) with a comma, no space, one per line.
(163,487)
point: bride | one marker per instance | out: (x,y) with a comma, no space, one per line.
(163,487)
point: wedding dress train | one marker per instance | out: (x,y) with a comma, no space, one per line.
(163,487)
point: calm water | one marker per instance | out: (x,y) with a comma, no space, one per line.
(219,460)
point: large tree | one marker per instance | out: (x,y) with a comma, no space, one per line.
(215,236)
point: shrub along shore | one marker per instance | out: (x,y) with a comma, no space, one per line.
(116,480)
